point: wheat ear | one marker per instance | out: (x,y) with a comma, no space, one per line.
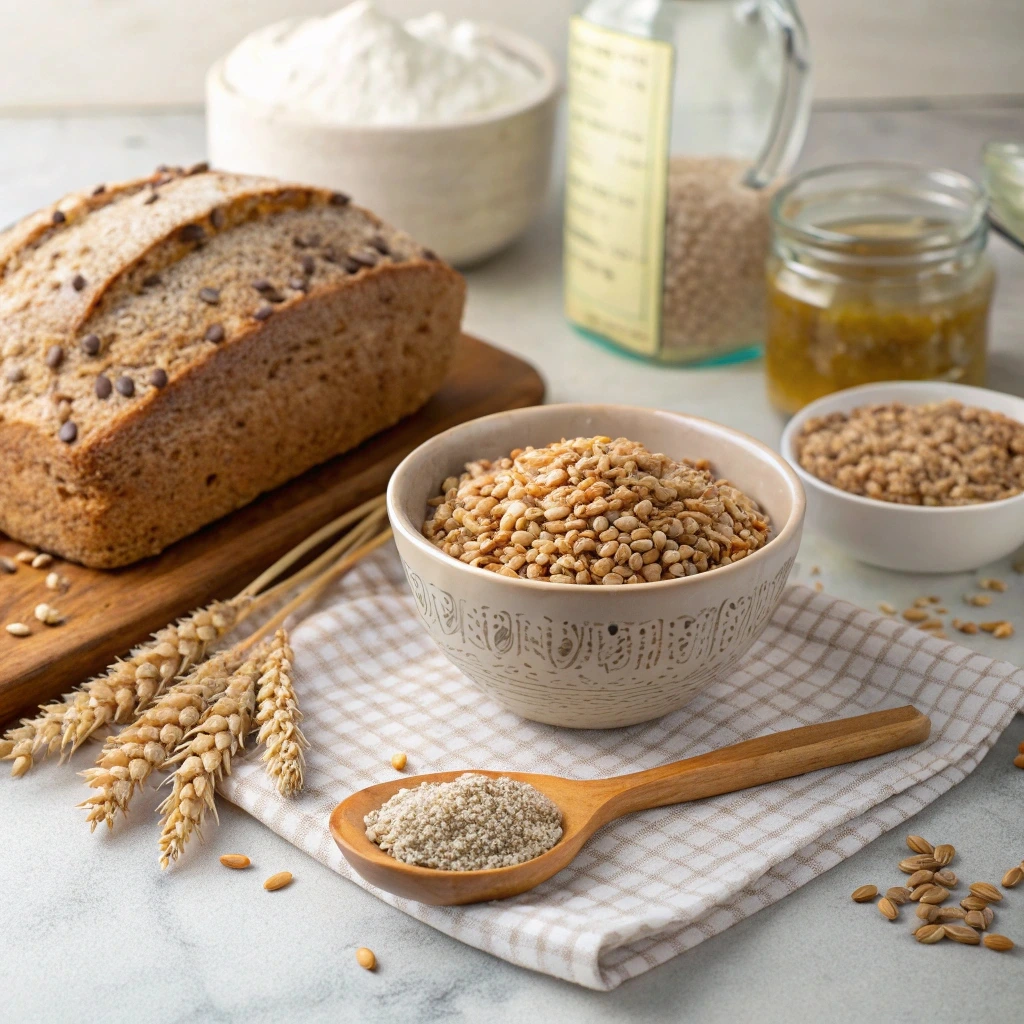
(132,755)
(278,718)
(125,689)
(205,757)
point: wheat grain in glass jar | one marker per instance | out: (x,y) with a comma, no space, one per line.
(681,118)
(878,272)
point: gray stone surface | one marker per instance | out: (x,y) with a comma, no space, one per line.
(92,931)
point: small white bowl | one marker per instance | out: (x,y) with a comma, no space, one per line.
(592,657)
(466,189)
(910,538)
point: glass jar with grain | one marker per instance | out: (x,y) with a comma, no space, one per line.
(877,272)
(682,117)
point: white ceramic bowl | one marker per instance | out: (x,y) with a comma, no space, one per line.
(466,189)
(589,656)
(910,538)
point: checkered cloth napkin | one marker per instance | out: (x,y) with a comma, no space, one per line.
(651,885)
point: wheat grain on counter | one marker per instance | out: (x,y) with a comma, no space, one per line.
(278,717)
(125,689)
(205,756)
(130,757)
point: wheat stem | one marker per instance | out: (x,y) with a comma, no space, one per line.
(359,533)
(316,587)
(329,530)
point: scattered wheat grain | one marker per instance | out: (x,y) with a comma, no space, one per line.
(991,583)
(365,958)
(235,861)
(929,934)
(1013,877)
(962,933)
(985,891)
(278,881)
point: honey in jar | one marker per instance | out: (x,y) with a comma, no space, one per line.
(877,272)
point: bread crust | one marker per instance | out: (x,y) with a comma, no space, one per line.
(336,363)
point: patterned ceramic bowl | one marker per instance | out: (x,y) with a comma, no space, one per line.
(592,657)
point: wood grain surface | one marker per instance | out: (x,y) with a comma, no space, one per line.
(106,612)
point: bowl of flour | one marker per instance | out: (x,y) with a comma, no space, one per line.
(442,128)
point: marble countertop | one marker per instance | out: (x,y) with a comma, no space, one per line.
(92,931)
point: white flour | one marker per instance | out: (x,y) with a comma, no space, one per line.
(358,66)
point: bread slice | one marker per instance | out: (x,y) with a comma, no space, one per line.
(172,347)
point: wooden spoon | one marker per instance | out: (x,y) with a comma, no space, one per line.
(587,805)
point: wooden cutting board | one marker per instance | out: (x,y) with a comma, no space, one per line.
(107,611)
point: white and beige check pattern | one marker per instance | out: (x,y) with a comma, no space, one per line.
(650,886)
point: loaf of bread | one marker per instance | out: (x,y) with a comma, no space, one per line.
(172,347)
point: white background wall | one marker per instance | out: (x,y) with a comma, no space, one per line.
(73,53)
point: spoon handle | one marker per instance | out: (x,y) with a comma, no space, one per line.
(780,755)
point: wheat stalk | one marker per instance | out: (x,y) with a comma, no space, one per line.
(130,685)
(205,756)
(368,510)
(278,716)
(126,688)
(328,576)
(132,755)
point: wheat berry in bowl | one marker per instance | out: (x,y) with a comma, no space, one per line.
(917,476)
(596,657)
(936,454)
(593,510)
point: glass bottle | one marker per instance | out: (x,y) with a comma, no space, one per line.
(682,115)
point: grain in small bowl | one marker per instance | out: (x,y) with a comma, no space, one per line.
(595,656)
(939,538)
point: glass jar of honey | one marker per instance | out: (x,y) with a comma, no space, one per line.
(877,272)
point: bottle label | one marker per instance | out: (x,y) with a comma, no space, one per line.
(617,164)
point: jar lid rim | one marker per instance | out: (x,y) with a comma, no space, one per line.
(961,213)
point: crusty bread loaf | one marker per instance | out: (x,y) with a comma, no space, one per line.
(172,347)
